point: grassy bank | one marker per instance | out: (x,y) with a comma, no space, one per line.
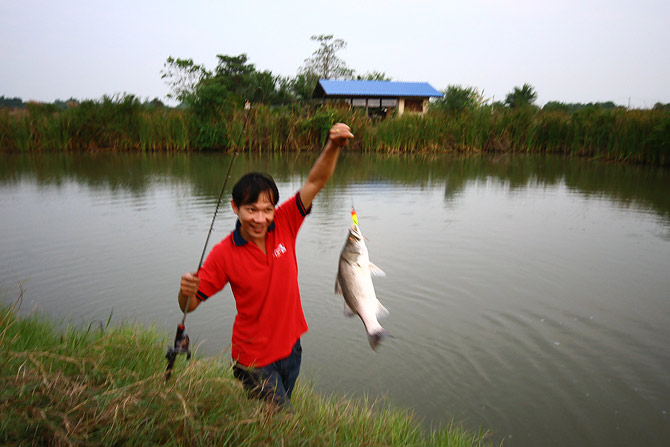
(635,136)
(106,387)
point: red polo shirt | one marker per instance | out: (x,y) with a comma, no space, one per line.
(269,317)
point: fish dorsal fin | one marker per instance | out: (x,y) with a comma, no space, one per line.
(347,311)
(382,312)
(376,271)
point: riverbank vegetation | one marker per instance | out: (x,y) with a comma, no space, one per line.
(105,386)
(124,123)
(283,117)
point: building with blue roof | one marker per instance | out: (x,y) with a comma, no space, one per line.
(378,96)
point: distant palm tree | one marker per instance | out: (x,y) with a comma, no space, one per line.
(523,96)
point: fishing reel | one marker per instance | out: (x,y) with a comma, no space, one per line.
(181,346)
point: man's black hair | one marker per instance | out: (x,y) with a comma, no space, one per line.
(251,185)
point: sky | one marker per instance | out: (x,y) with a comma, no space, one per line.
(568,50)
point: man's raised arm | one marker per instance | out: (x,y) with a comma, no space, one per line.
(338,137)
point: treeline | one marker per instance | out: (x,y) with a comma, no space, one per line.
(125,123)
(58,105)
(555,106)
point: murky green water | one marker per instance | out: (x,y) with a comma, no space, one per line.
(528,296)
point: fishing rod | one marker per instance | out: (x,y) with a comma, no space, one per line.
(181,339)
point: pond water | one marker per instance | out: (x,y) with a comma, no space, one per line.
(528,296)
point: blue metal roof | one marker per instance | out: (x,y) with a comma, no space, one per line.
(377,89)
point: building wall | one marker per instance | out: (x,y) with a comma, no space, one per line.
(403,105)
(407,105)
(414,105)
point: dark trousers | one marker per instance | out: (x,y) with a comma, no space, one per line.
(274,382)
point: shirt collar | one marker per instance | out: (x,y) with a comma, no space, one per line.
(238,240)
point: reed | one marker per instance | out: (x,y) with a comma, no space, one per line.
(123,123)
(105,386)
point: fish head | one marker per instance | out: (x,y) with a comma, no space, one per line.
(355,244)
(355,233)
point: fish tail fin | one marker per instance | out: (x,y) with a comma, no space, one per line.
(376,336)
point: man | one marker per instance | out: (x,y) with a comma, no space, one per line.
(258,260)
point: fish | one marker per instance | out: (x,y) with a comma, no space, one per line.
(354,283)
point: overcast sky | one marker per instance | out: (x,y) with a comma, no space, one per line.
(569,50)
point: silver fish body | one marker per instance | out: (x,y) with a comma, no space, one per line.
(354,283)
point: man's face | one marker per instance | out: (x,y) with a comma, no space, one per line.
(255,218)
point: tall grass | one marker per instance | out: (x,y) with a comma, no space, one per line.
(105,387)
(110,124)
(123,123)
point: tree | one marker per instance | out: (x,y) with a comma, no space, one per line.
(303,86)
(233,81)
(557,106)
(183,77)
(155,103)
(243,82)
(284,93)
(12,103)
(457,98)
(374,76)
(572,107)
(324,63)
(235,73)
(519,97)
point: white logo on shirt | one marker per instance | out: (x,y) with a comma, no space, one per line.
(280,250)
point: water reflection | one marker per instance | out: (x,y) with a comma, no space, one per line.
(135,172)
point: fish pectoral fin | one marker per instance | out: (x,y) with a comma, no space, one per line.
(338,288)
(376,271)
(382,311)
(348,312)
